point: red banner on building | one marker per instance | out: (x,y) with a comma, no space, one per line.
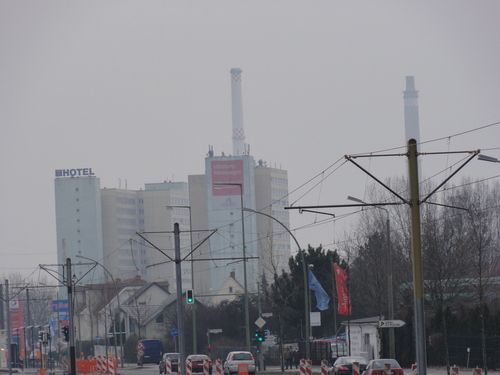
(344,305)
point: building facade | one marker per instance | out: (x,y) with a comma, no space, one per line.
(101,225)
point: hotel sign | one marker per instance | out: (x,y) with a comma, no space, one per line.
(74,172)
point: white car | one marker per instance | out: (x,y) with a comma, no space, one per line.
(234,359)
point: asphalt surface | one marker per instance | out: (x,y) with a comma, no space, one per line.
(132,369)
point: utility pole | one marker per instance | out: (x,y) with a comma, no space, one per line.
(416,255)
(180,302)
(7,298)
(69,284)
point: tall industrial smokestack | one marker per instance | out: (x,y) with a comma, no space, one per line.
(412,124)
(412,127)
(237,108)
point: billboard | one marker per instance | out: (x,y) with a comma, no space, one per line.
(16,315)
(227,172)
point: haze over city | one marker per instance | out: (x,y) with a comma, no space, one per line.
(138,91)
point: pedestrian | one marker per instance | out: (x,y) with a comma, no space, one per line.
(288,357)
(296,358)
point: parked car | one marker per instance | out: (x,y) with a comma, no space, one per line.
(234,359)
(174,360)
(197,362)
(343,365)
(376,367)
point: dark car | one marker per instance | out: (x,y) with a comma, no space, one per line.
(197,362)
(174,360)
(343,365)
(376,367)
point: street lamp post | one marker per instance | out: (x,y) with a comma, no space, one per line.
(306,285)
(390,294)
(247,318)
(119,308)
(193,309)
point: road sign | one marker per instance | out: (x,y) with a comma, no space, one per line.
(216,330)
(391,323)
(260,322)
(97,338)
(140,345)
(174,332)
(140,353)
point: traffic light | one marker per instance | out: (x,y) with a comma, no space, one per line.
(189,296)
(65,331)
(259,335)
(40,335)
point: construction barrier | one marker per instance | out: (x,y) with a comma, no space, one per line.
(324,367)
(243,369)
(414,369)
(303,367)
(387,369)
(476,371)
(189,367)
(112,365)
(206,367)
(309,367)
(218,367)
(168,366)
(100,364)
(355,368)
(454,370)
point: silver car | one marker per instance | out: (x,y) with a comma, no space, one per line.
(234,359)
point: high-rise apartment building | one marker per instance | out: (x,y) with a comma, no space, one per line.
(102,225)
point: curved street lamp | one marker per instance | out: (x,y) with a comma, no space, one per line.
(304,269)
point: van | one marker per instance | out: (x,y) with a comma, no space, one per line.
(149,351)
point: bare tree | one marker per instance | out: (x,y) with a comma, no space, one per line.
(481,242)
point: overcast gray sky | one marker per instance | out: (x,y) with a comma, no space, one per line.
(138,90)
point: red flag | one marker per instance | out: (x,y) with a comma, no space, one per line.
(344,306)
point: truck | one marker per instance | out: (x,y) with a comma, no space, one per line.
(149,351)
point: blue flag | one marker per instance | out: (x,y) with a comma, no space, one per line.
(322,298)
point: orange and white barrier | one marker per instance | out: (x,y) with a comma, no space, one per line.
(243,369)
(206,367)
(387,369)
(112,366)
(476,371)
(324,367)
(168,366)
(414,369)
(355,368)
(189,367)
(218,367)
(302,365)
(454,370)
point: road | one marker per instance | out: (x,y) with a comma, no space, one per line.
(132,369)
(150,369)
